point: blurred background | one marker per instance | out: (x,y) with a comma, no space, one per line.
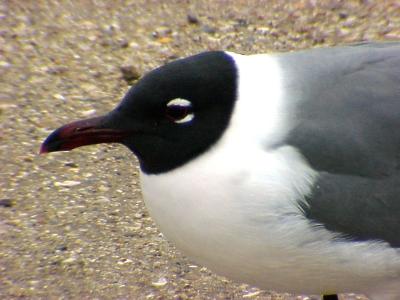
(73,225)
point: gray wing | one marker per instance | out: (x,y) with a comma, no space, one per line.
(347,125)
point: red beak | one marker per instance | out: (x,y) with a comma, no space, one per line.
(81,133)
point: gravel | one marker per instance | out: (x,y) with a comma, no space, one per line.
(73,225)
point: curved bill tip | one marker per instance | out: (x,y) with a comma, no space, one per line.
(43,149)
(82,133)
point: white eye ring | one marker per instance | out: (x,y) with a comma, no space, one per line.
(185,104)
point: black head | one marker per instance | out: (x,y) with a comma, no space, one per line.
(172,115)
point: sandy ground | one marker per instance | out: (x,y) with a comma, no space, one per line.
(73,225)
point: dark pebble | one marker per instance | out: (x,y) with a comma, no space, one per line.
(192,19)
(71,165)
(6,203)
(123,43)
(129,73)
(242,22)
(62,248)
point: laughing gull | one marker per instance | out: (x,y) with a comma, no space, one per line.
(278,170)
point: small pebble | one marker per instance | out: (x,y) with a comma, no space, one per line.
(62,248)
(67,183)
(129,73)
(124,261)
(103,188)
(161,32)
(165,40)
(69,260)
(5,64)
(160,283)
(242,22)
(89,112)
(6,203)
(71,164)
(192,19)
(4,106)
(59,97)
(343,15)
(263,30)
(123,43)
(252,294)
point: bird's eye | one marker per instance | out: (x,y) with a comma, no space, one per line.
(179,110)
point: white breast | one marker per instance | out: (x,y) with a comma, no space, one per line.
(244,223)
(224,203)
